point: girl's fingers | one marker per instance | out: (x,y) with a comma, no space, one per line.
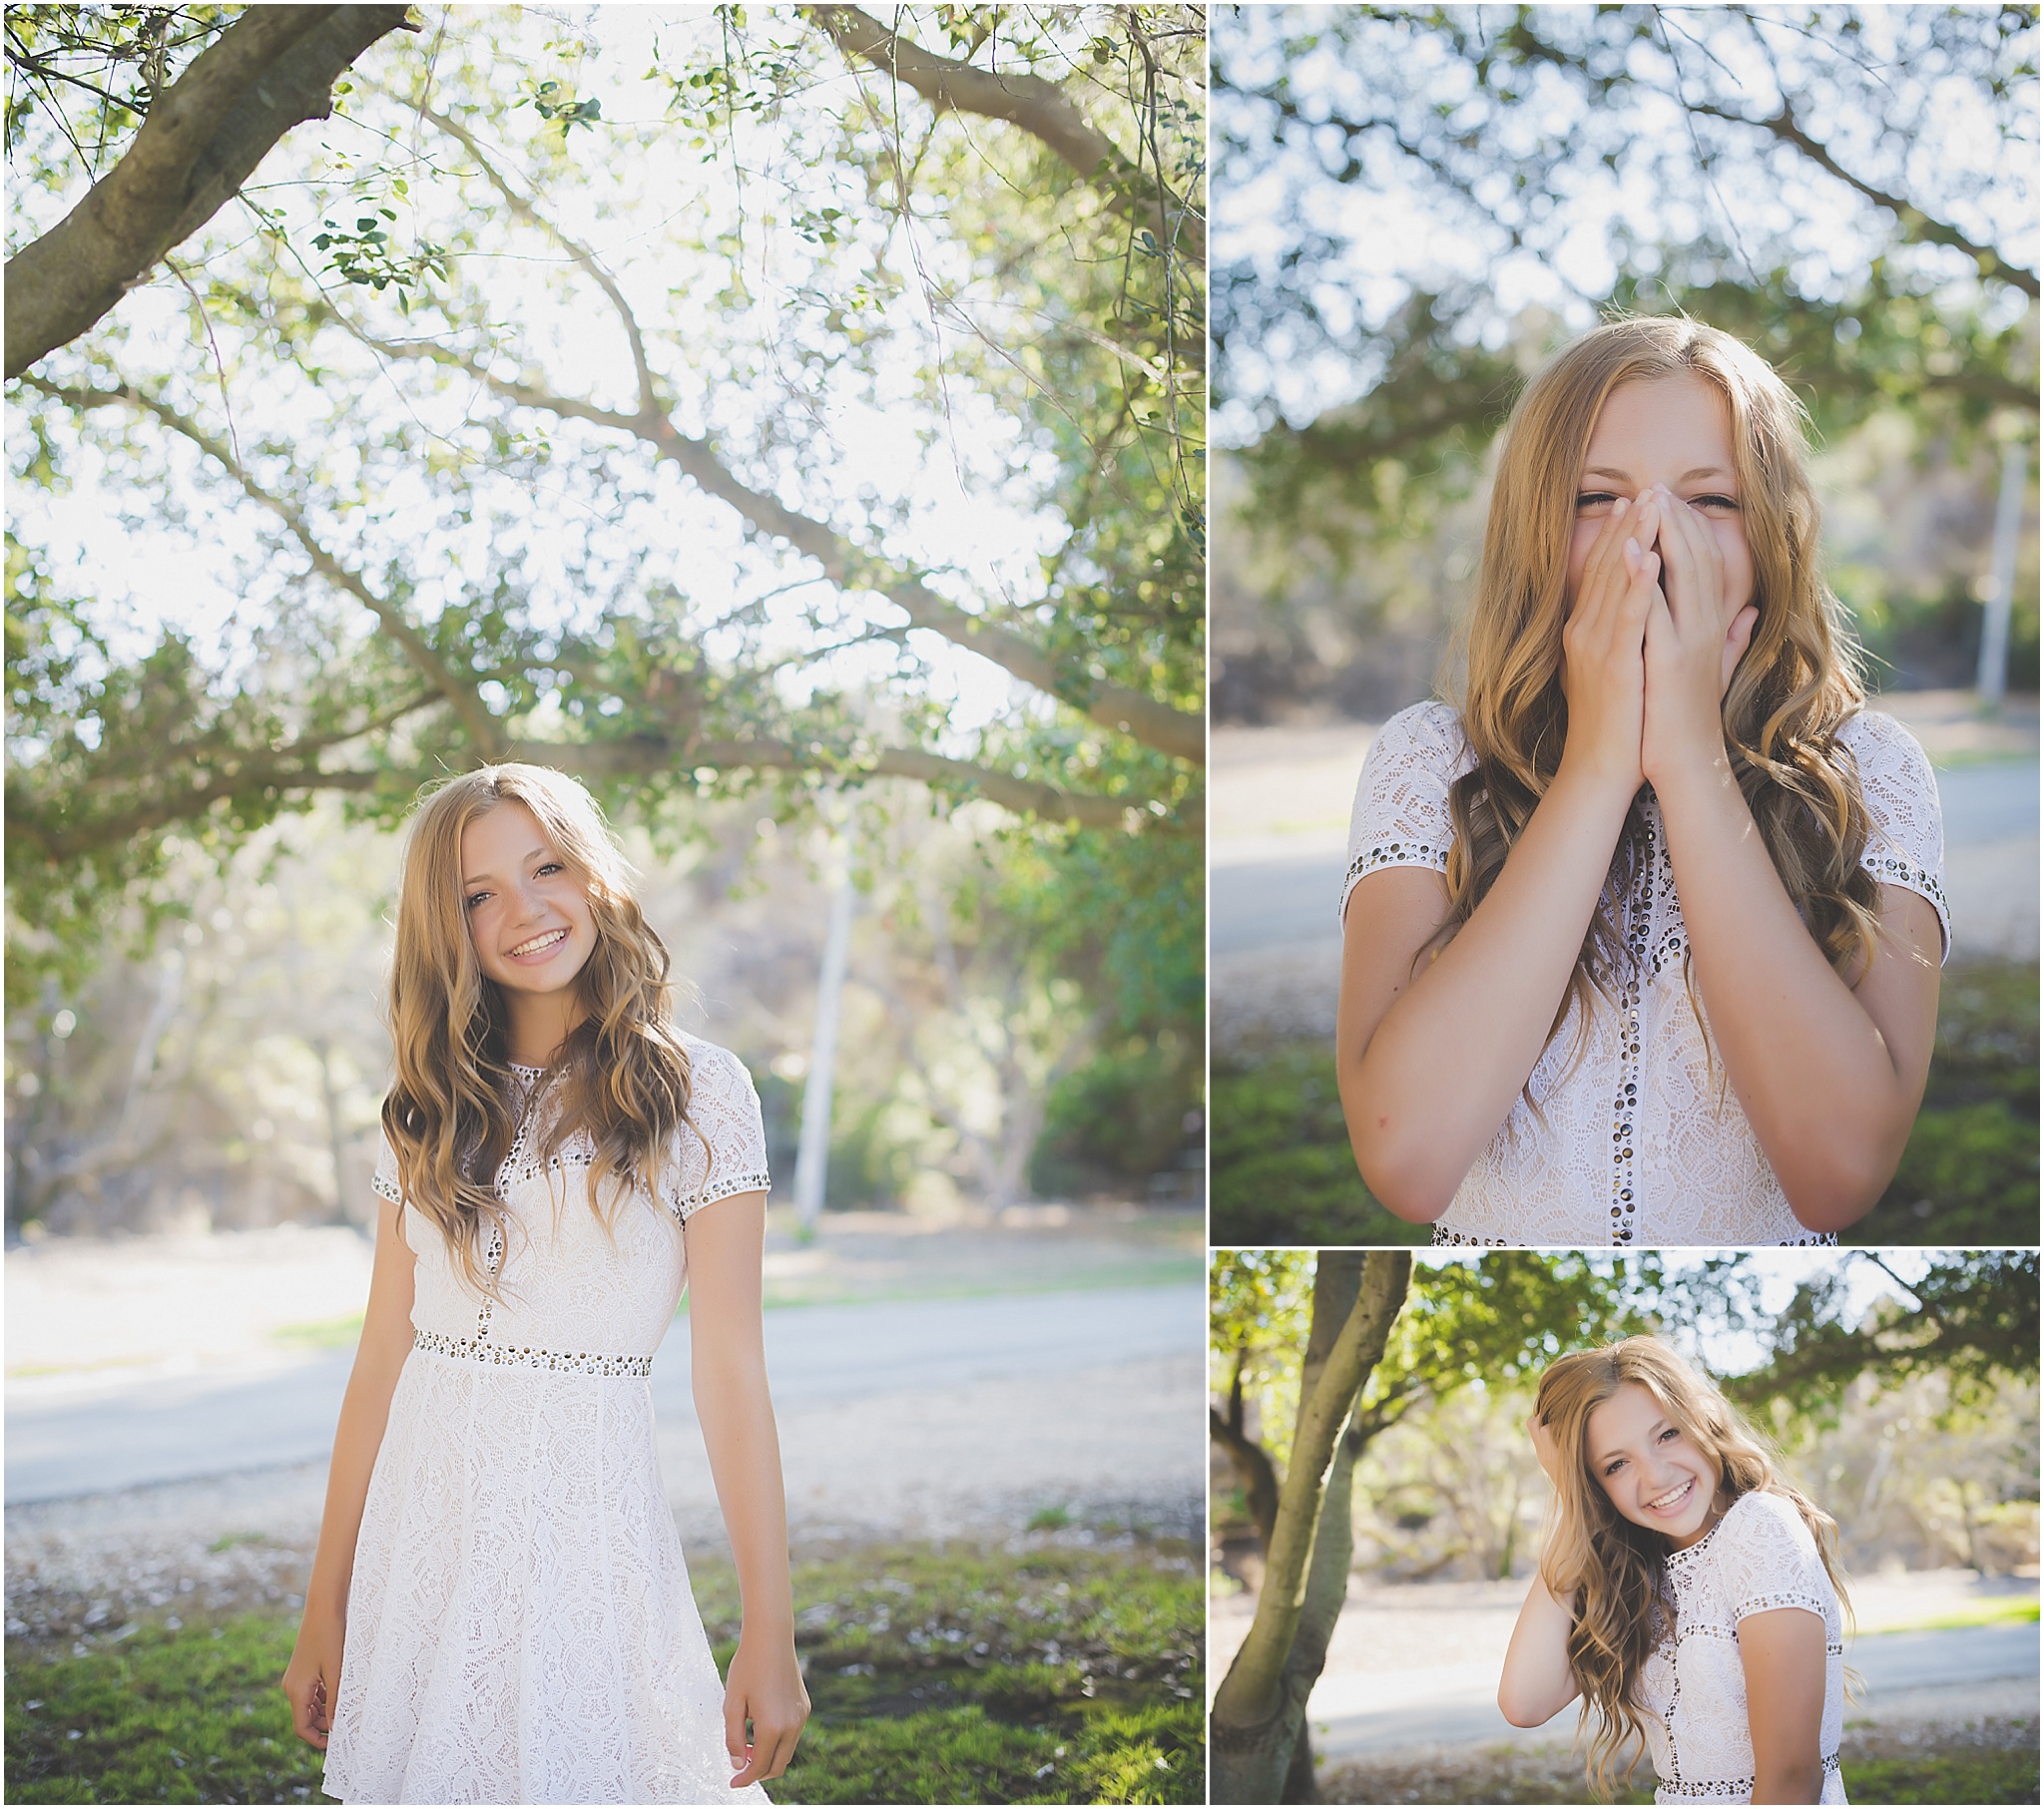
(1605,572)
(1736,638)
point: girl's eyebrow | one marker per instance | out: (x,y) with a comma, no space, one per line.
(1653,1432)
(529,853)
(1626,475)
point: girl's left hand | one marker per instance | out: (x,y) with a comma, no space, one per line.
(1695,636)
(765,1687)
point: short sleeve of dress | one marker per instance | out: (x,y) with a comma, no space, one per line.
(1767,1558)
(1402,816)
(722,1149)
(1906,844)
(385,1182)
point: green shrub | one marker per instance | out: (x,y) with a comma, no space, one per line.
(1116,1121)
(1282,1169)
(1969,1173)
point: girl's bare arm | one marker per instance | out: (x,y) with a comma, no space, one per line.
(1537,1682)
(1781,1651)
(1829,1074)
(728,1358)
(1430,1062)
(311,1681)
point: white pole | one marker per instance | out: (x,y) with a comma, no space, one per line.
(813,1154)
(2001,585)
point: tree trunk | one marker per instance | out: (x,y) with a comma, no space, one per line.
(273,69)
(1258,1718)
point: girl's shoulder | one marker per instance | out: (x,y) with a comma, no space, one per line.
(1887,753)
(1761,1520)
(1427,734)
(712,1068)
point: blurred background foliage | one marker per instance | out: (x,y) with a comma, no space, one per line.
(682,400)
(1419,205)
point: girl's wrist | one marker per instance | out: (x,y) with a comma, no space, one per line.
(1694,777)
(1579,784)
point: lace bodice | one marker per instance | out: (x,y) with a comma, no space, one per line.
(571,1295)
(1759,1556)
(1640,1141)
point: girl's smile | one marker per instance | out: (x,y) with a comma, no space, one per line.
(1647,1468)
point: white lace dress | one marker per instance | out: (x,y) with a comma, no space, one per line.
(1641,1143)
(520,1627)
(1758,1557)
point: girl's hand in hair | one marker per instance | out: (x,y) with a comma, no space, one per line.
(1603,647)
(1695,636)
(1544,1447)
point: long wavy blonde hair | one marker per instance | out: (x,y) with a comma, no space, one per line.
(622,1075)
(1616,1565)
(1797,683)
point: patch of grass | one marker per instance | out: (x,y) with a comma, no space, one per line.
(1054,1672)
(1969,1174)
(227,1541)
(191,1716)
(1282,1169)
(1947,1771)
(1049,1520)
(1985,1776)
(1057,1673)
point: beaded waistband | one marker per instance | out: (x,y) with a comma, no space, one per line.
(1733,1790)
(525,1356)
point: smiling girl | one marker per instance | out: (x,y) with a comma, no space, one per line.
(1640,943)
(498,1609)
(1687,1593)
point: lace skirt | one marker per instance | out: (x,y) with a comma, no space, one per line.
(520,1627)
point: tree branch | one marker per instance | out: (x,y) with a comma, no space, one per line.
(650,407)
(1913,222)
(1040,108)
(273,69)
(486,731)
(1178,733)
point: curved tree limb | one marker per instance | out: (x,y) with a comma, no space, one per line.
(1040,108)
(293,768)
(632,754)
(1178,733)
(273,69)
